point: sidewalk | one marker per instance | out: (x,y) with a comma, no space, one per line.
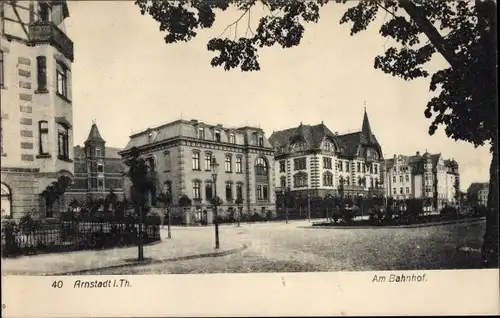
(80,261)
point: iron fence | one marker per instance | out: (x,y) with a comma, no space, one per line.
(72,235)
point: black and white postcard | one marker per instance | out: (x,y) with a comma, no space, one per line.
(249,158)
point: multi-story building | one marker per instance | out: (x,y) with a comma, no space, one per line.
(427,176)
(478,192)
(179,154)
(312,160)
(98,169)
(36,102)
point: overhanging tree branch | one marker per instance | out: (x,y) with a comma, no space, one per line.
(430,31)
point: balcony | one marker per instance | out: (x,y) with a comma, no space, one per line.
(49,33)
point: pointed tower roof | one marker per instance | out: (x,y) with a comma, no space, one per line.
(94,134)
(367,130)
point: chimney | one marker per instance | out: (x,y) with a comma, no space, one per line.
(418,153)
(336,133)
(395,156)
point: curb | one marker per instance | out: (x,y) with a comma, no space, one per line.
(410,226)
(153,261)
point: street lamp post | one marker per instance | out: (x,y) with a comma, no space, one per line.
(215,170)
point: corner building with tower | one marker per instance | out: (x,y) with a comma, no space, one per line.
(311,160)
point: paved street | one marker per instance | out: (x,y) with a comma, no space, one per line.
(297,247)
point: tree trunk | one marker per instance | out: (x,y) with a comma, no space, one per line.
(490,242)
(140,248)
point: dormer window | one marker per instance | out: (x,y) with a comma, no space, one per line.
(201,133)
(260,141)
(232,138)
(97,151)
(217,135)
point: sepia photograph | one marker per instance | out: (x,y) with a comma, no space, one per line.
(150,138)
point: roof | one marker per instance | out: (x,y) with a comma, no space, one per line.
(94,134)
(111,152)
(475,187)
(312,135)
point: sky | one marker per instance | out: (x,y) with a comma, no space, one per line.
(127,79)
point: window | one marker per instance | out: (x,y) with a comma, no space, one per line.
(1,70)
(262,193)
(208,190)
(400,178)
(208,161)
(166,160)
(328,179)
(239,165)
(167,187)
(347,166)
(201,133)
(41,66)
(63,141)
(394,179)
(100,167)
(407,178)
(401,190)
(375,168)
(43,138)
(196,190)
(89,167)
(328,146)
(327,163)
(260,142)
(196,160)
(407,190)
(394,190)
(358,167)
(299,164)
(228,163)
(340,164)
(229,191)
(62,80)
(97,151)
(282,166)
(347,180)
(239,190)
(283,182)
(232,138)
(100,184)
(300,180)
(217,135)
(261,167)
(364,168)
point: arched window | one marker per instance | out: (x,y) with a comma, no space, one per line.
(208,190)
(208,161)
(166,160)
(167,187)
(239,190)
(261,167)
(229,191)
(6,205)
(63,141)
(196,189)
(43,137)
(196,160)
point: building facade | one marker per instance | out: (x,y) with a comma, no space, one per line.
(98,169)
(311,160)
(478,193)
(180,153)
(427,176)
(36,56)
